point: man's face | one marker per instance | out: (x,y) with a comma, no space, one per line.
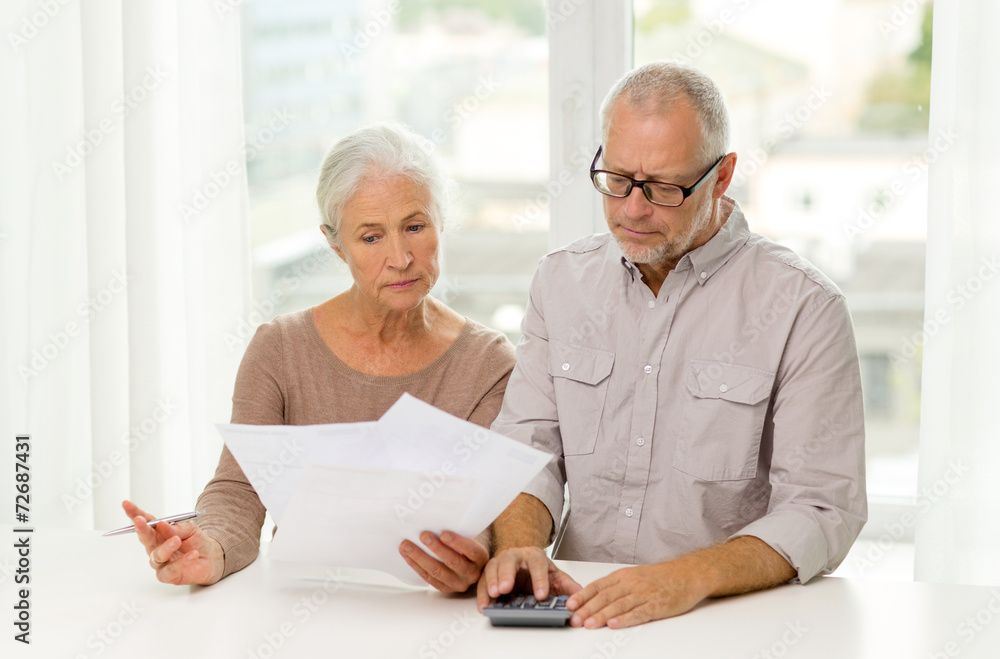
(647,146)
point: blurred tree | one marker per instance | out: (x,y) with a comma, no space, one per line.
(660,12)
(529,15)
(899,99)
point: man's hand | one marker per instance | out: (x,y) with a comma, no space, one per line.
(459,561)
(634,595)
(527,569)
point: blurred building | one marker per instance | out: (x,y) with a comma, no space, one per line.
(812,173)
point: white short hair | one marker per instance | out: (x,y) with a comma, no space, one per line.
(659,86)
(378,151)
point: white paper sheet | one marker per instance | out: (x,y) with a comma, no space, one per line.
(347,494)
(357,517)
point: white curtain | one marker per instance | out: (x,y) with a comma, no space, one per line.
(124,249)
(958,525)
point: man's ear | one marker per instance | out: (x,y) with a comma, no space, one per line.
(726,172)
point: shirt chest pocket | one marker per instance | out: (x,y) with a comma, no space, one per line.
(580,379)
(720,428)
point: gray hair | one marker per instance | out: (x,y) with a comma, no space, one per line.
(378,151)
(660,86)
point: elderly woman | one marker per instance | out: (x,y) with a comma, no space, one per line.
(348,359)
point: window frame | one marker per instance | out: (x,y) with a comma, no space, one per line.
(590,47)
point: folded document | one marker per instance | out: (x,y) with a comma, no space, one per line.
(346,494)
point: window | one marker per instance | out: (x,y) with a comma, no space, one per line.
(832,142)
(829,103)
(469,75)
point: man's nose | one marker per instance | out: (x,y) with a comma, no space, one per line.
(636,203)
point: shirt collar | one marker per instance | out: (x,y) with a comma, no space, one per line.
(734,233)
(707,259)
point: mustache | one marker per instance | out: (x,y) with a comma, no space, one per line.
(633,225)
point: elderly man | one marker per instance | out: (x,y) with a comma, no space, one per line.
(696,384)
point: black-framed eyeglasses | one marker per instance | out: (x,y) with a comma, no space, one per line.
(618,185)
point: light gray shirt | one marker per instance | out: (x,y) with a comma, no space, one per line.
(727,405)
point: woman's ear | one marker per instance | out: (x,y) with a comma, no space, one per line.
(331,242)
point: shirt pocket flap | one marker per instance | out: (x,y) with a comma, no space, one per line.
(580,363)
(732,382)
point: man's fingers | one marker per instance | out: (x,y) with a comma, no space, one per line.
(625,611)
(583,612)
(500,573)
(508,564)
(604,606)
(593,598)
(538,568)
(563,584)
(482,594)
(489,579)
(637,616)
(593,589)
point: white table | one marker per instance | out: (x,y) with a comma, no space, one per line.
(97,597)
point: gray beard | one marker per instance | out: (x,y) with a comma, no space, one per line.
(639,254)
(670,251)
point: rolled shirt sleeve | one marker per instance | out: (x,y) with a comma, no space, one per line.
(817,504)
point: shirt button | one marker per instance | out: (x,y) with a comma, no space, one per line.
(703,274)
(651,304)
(628,512)
(723,388)
(565,366)
(640,441)
(647,368)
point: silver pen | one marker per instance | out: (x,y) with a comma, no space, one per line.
(169,520)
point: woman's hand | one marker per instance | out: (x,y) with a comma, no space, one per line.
(459,561)
(180,553)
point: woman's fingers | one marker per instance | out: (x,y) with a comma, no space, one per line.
(180,553)
(147,535)
(184,569)
(453,564)
(133,510)
(469,548)
(161,554)
(412,554)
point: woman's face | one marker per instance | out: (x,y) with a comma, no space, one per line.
(390,242)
